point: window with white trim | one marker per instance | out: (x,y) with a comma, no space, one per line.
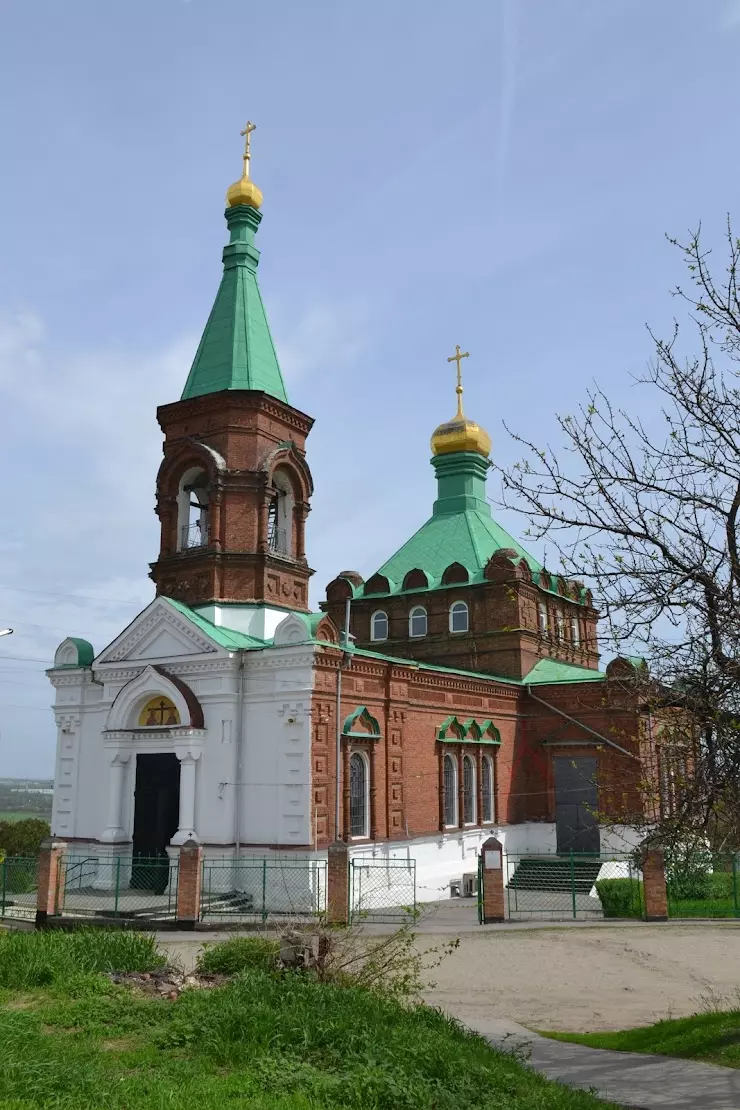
(418,621)
(449,799)
(575,631)
(543,621)
(459,617)
(468,790)
(379,626)
(559,625)
(358,795)
(487,789)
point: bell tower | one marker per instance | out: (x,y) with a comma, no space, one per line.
(234,488)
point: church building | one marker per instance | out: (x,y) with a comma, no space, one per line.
(453,694)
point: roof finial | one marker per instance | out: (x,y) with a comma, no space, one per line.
(459,390)
(247,133)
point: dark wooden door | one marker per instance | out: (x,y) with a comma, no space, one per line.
(576,798)
(156,803)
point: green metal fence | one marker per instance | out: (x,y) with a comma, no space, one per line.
(18,887)
(382,889)
(702,884)
(136,888)
(572,885)
(262,887)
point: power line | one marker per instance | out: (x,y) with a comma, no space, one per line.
(75,597)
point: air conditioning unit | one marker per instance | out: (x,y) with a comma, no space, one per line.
(470,884)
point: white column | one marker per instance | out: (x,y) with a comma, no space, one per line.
(186,830)
(116,777)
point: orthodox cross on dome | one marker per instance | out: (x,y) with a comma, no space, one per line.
(247,133)
(457,357)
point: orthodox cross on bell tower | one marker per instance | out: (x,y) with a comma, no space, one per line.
(247,133)
(458,357)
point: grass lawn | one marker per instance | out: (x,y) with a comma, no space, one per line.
(701,907)
(268,1040)
(14,815)
(713,1037)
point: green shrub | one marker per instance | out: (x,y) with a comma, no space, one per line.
(239,954)
(37,959)
(23,838)
(620,897)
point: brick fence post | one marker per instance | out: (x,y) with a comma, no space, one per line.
(653,878)
(493,881)
(189,879)
(337,884)
(50,888)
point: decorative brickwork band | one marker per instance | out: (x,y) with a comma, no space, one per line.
(189,884)
(653,874)
(337,893)
(493,881)
(50,892)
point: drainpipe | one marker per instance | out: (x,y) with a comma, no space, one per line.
(239,757)
(343,640)
(580,724)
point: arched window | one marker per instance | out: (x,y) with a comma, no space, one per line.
(280,515)
(468,791)
(192,510)
(379,626)
(560,625)
(487,788)
(358,795)
(542,618)
(449,799)
(459,617)
(575,631)
(418,621)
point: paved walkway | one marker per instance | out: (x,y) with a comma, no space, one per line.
(627,1078)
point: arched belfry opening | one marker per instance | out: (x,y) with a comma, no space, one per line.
(280,516)
(192,510)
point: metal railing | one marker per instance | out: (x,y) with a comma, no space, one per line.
(258,888)
(193,535)
(572,885)
(18,887)
(137,888)
(382,889)
(278,541)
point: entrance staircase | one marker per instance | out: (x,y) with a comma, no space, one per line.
(556,873)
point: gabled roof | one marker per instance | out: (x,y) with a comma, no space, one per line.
(552,670)
(225,637)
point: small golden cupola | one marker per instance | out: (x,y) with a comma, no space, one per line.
(460,433)
(244,191)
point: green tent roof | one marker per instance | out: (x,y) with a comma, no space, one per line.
(236,350)
(226,637)
(551,670)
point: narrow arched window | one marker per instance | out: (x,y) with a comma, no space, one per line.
(542,618)
(487,788)
(449,799)
(358,795)
(379,626)
(459,617)
(280,515)
(468,791)
(418,621)
(575,631)
(560,625)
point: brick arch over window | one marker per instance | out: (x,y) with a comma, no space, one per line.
(192,455)
(416,579)
(454,573)
(378,584)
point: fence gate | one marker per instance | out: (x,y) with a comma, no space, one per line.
(261,887)
(18,886)
(382,889)
(572,885)
(135,888)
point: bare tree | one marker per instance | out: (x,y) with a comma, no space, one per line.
(651,518)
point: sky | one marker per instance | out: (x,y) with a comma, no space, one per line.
(493,173)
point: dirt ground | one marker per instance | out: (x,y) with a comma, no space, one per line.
(574,978)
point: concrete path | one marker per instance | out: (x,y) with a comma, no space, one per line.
(627,1078)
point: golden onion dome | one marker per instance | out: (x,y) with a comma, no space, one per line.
(244,191)
(461,434)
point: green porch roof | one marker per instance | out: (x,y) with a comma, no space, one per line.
(552,670)
(236,350)
(226,637)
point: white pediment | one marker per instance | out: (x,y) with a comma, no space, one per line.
(160,633)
